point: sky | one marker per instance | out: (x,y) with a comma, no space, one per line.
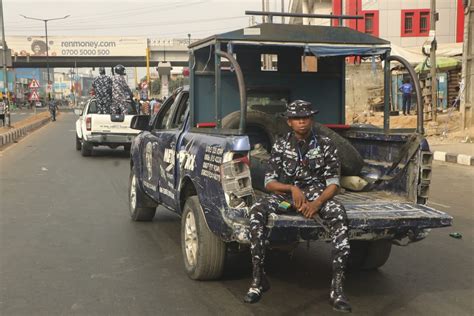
(144,18)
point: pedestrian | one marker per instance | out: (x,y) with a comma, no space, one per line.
(102,86)
(304,171)
(53,107)
(121,94)
(406,88)
(152,105)
(156,107)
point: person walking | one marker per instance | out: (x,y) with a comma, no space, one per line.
(304,171)
(406,88)
(53,107)
(102,86)
(121,94)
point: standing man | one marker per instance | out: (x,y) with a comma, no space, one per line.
(303,170)
(121,94)
(102,86)
(406,88)
(53,107)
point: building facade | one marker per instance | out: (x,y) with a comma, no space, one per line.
(405,23)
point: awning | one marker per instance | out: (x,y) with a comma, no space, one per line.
(339,50)
(441,63)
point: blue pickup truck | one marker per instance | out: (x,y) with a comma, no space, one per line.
(203,155)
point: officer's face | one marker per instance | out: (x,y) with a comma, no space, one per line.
(301,125)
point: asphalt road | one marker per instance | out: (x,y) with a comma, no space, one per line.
(68,247)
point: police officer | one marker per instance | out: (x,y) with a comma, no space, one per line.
(53,106)
(121,93)
(303,170)
(102,86)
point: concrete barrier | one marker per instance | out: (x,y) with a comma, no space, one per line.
(16,133)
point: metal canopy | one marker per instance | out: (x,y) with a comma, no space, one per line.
(289,33)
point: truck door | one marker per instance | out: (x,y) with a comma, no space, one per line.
(168,146)
(151,154)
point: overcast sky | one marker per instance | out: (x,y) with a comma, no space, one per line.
(147,18)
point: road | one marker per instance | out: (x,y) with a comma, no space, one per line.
(68,247)
(22,114)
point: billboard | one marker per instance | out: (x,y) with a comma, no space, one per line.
(81,46)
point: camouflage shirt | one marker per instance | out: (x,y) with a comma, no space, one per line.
(102,86)
(304,163)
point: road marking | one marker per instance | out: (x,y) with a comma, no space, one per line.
(439,204)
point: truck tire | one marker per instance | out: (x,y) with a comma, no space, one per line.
(136,198)
(86,149)
(78,143)
(369,255)
(203,252)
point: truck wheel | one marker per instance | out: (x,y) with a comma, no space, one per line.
(78,143)
(136,197)
(127,147)
(203,252)
(369,255)
(86,149)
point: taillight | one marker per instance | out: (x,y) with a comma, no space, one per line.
(88,123)
(236,179)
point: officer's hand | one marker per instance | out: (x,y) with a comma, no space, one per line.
(298,197)
(312,209)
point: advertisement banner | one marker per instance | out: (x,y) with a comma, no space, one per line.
(90,46)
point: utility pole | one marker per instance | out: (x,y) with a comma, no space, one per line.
(282,11)
(467,98)
(47,43)
(434,81)
(5,73)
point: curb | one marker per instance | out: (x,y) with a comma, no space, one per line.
(460,159)
(14,134)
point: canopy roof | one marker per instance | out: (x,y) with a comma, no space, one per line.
(321,40)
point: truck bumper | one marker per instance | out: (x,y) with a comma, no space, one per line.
(110,139)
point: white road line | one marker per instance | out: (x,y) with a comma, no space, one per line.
(439,204)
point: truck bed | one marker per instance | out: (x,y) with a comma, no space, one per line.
(374,210)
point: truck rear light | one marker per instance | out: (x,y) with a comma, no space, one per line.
(236,180)
(88,123)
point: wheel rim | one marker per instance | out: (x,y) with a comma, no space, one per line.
(133,193)
(190,239)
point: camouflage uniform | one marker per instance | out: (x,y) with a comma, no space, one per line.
(311,165)
(102,86)
(121,95)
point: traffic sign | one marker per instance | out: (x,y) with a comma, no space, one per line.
(34,84)
(34,96)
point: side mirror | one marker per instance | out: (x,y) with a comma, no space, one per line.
(78,112)
(140,122)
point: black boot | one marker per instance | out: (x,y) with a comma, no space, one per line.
(259,285)
(338,300)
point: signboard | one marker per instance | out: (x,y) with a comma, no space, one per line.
(85,46)
(34,96)
(34,84)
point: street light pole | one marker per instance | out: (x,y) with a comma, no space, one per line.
(47,43)
(434,82)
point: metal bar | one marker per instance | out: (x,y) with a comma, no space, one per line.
(386,91)
(434,80)
(242,90)
(305,15)
(191,87)
(217,85)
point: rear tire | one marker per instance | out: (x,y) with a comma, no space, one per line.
(136,197)
(203,252)
(369,255)
(86,149)
(78,143)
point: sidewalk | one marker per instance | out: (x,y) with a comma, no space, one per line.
(460,153)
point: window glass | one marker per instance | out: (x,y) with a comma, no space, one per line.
(181,112)
(409,22)
(164,114)
(369,23)
(424,22)
(92,107)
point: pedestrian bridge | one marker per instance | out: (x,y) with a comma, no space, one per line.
(30,52)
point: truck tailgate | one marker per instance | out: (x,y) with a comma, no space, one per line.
(101,123)
(375,210)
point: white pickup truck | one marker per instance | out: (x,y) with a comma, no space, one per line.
(93,129)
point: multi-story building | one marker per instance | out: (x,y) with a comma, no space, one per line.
(405,23)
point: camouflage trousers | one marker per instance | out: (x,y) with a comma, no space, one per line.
(119,107)
(332,213)
(103,105)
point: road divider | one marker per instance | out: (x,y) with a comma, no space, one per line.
(23,127)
